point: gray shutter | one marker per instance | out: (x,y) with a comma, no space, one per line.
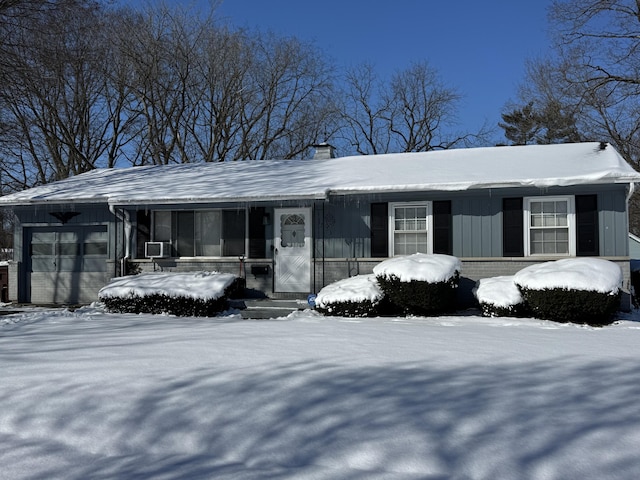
(587,230)
(442,227)
(512,227)
(379,230)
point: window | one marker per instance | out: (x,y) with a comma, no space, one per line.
(96,243)
(410,230)
(292,227)
(550,226)
(194,233)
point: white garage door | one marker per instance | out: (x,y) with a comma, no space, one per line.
(66,264)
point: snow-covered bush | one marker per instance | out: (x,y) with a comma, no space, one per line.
(200,294)
(420,284)
(578,290)
(358,296)
(499,297)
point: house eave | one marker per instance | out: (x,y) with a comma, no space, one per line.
(317,196)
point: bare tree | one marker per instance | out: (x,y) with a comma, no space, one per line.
(365,111)
(422,108)
(206,93)
(288,99)
(413,112)
(598,44)
(58,109)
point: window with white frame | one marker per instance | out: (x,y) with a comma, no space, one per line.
(410,230)
(550,226)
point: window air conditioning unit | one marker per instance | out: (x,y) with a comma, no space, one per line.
(157,249)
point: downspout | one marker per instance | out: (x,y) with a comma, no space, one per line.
(632,189)
(126,236)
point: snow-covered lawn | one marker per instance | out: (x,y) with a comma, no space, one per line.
(91,395)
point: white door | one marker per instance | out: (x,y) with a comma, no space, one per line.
(293,249)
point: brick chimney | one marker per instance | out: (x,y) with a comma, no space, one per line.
(324,151)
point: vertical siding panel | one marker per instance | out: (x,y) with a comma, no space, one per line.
(496,227)
(476,227)
(613,224)
(467,226)
(487,231)
(457,219)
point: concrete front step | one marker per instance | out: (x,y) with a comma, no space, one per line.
(268,307)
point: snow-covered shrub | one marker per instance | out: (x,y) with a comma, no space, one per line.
(499,297)
(200,294)
(420,284)
(358,296)
(578,290)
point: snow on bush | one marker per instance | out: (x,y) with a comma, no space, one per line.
(591,274)
(579,290)
(499,297)
(358,296)
(419,266)
(354,289)
(183,294)
(202,285)
(420,284)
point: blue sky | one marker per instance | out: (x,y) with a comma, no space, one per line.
(477,47)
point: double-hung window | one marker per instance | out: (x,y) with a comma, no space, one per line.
(410,228)
(550,226)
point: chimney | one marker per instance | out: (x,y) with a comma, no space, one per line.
(324,151)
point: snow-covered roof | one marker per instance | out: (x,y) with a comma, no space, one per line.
(446,170)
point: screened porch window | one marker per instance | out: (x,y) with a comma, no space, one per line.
(411,228)
(206,233)
(550,226)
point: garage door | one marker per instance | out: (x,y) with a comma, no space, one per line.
(66,264)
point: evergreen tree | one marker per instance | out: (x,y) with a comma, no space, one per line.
(521,125)
(557,125)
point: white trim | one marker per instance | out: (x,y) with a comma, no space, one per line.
(571,224)
(392,224)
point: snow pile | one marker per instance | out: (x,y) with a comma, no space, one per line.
(498,291)
(199,285)
(360,288)
(434,268)
(590,274)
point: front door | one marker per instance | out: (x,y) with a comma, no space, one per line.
(293,249)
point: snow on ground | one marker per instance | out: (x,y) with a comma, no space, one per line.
(95,395)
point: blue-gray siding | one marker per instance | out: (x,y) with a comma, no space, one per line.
(342,224)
